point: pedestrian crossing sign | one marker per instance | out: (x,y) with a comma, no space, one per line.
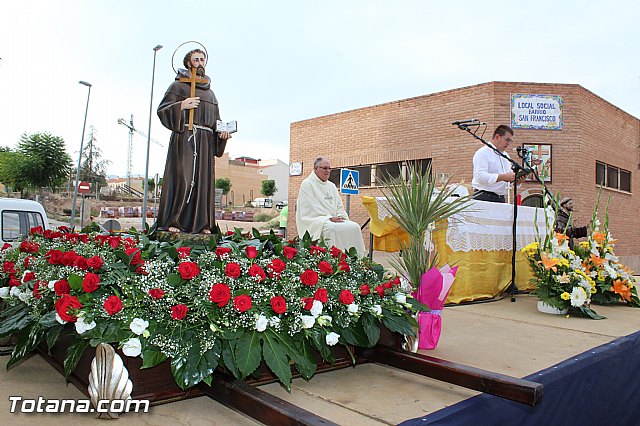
(349,181)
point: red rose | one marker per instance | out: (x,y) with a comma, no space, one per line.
(307,303)
(140,270)
(346,297)
(26,261)
(184,252)
(63,228)
(188,270)
(156,293)
(13,281)
(277,265)
(289,252)
(36,290)
(54,257)
(242,303)
(37,230)
(112,305)
(61,287)
(344,266)
(252,251)
(65,304)
(134,255)
(81,263)
(309,278)
(325,267)
(9,267)
(179,312)
(29,247)
(90,282)
(220,294)
(364,289)
(6,246)
(50,235)
(256,271)
(95,262)
(29,276)
(278,304)
(317,250)
(321,295)
(69,258)
(232,270)
(388,284)
(337,253)
(221,251)
(114,242)
(396,281)
(380,290)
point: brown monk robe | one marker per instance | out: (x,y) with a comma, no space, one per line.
(190,210)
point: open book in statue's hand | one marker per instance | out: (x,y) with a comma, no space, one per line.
(231,126)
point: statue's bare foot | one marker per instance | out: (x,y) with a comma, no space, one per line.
(173,229)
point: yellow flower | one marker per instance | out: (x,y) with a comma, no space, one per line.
(584,244)
(565,296)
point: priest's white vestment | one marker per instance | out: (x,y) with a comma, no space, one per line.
(318,201)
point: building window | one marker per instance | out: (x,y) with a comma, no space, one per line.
(388,171)
(613,177)
(364,175)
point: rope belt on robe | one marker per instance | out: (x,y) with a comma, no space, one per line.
(194,137)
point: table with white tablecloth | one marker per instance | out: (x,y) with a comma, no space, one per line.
(478,240)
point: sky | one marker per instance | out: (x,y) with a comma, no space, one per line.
(277,62)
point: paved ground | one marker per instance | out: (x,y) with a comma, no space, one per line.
(505,337)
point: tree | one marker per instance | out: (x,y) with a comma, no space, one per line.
(224,184)
(268,187)
(93,167)
(45,162)
(10,166)
(151,183)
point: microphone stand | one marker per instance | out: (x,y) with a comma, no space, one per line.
(519,171)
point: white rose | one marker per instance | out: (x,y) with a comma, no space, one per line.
(52,285)
(332,338)
(401,298)
(261,323)
(15,292)
(376,309)
(316,309)
(82,326)
(138,325)
(308,321)
(352,308)
(59,319)
(4,292)
(25,296)
(132,347)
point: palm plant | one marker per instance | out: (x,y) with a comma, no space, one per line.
(417,205)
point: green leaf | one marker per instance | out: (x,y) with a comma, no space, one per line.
(305,363)
(52,336)
(196,366)
(174,279)
(397,324)
(177,370)
(75,351)
(371,327)
(75,282)
(208,380)
(48,320)
(317,337)
(248,353)
(152,357)
(276,358)
(354,335)
(591,313)
(228,358)
(307,351)
(14,319)
(107,332)
(26,342)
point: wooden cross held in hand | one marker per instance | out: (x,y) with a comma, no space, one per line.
(192,80)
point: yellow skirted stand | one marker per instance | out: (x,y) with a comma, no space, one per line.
(481,274)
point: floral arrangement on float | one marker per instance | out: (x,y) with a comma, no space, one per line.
(232,302)
(569,280)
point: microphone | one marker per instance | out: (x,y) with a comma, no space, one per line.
(472,122)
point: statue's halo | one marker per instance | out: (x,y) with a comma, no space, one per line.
(184,52)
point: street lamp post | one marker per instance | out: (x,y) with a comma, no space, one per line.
(146,169)
(75,189)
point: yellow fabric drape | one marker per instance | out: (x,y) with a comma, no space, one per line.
(387,234)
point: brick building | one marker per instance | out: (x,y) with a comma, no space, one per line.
(593,141)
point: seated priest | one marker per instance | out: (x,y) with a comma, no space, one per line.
(320,211)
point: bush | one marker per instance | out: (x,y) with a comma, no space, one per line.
(264,217)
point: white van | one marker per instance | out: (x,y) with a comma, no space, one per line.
(18,216)
(263,202)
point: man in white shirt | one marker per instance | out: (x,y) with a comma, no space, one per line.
(320,211)
(492,173)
